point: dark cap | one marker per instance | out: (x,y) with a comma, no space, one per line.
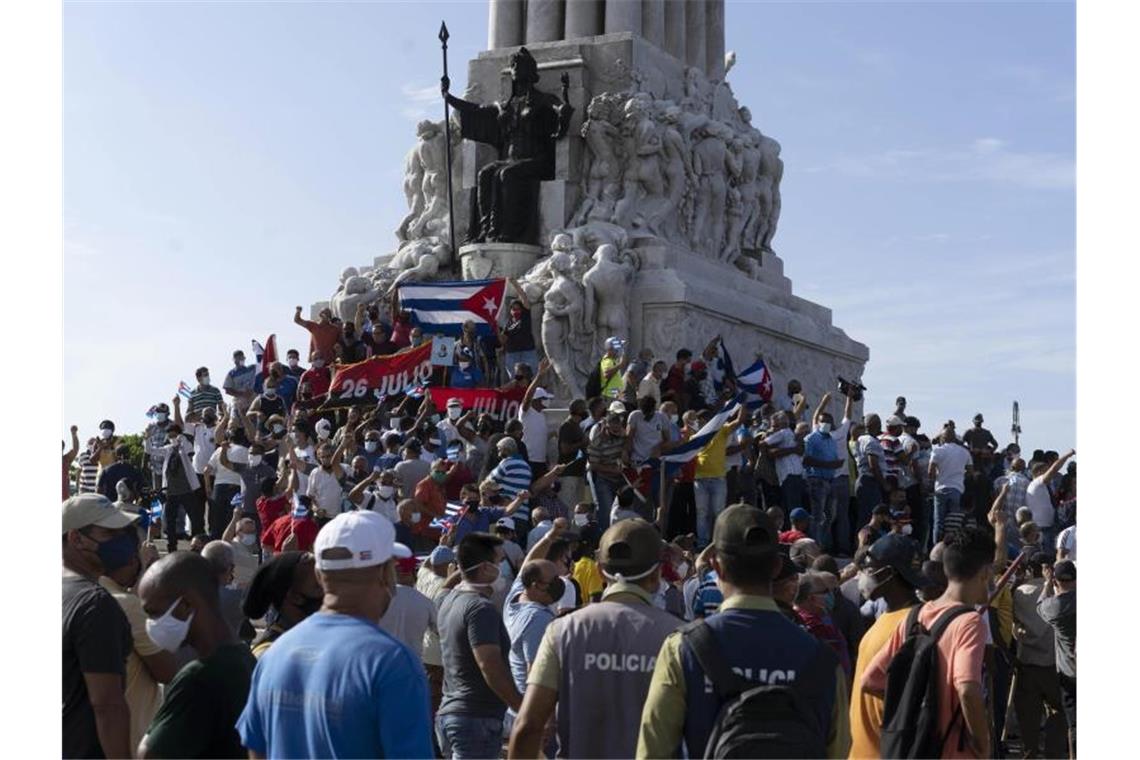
(630,546)
(1065,570)
(900,553)
(744,531)
(799,513)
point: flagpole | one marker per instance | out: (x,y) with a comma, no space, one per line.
(661,515)
(443,37)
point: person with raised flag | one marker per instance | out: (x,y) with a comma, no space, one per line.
(443,307)
(239,382)
(517,336)
(710,445)
(341,656)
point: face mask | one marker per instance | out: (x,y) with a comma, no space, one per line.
(278,429)
(471,503)
(682,569)
(581,519)
(415,517)
(248,539)
(293,363)
(434,419)
(463,366)
(160,416)
(394,423)
(254,460)
(168,632)
(907,529)
(825,427)
(318,363)
(868,582)
(106,433)
(271,393)
(386,492)
(323,433)
(205,380)
(454,413)
(438,476)
(117,552)
(674,418)
(371,446)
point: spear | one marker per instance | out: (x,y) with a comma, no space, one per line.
(443,37)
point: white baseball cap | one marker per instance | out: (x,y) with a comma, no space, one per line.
(455,401)
(368,536)
(94,509)
(541,393)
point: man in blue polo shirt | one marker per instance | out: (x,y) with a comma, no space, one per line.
(751,636)
(336,685)
(821,461)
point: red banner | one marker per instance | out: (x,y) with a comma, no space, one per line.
(365,382)
(500,405)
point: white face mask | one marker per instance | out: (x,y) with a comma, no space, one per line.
(386,492)
(415,517)
(318,363)
(106,433)
(168,632)
(394,423)
(248,539)
(278,429)
(293,364)
(907,529)
(454,413)
(271,393)
(683,569)
(371,446)
(161,416)
(323,433)
(205,380)
(254,460)
(825,427)
(868,582)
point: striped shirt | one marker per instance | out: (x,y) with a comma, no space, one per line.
(708,597)
(892,447)
(88,472)
(604,449)
(204,398)
(513,474)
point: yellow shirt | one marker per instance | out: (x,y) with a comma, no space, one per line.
(611,388)
(589,577)
(867,710)
(142,691)
(710,460)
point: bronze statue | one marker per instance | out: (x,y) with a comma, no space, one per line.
(523,130)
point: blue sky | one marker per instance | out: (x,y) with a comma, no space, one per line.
(224,161)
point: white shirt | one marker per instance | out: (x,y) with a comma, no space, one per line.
(951,460)
(649,386)
(647,433)
(534,433)
(906,471)
(386,507)
(792,464)
(1039,503)
(408,617)
(839,435)
(203,445)
(1067,540)
(325,489)
(222,475)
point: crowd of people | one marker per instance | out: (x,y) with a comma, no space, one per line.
(284,578)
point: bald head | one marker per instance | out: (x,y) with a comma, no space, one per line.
(537,571)
(220,555)
(181,574)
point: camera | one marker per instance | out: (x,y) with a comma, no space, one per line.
(852,390)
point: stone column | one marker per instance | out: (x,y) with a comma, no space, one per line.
(583,19)
(714,39)
(695,33)
(675,28)
(505,24)
(623,16)
(544,20)
(653,21)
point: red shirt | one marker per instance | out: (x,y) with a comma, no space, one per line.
(304,528)
(791,536)
(319,380)
(323,337)
(268,510)
(457,477)
(401,330)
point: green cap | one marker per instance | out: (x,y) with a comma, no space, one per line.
(630,546)
(744,531)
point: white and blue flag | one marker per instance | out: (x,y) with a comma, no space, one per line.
(690,448)
(441,308)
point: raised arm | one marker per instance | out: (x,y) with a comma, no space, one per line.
(69,457)
(356,495)
(520,293)
(1056,466)
(821,407)
(520,498)
(543,366)
(548,479)
(541,547)
(177,402)
(798,408)
(997,518)
(298,319)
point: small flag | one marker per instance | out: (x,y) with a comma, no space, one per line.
(415,390)
(452,512)
(755,383)
(150,413)
(721,366)
(184,390)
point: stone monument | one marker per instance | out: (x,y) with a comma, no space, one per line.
(655,221)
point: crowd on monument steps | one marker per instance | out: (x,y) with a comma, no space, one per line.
(674,568)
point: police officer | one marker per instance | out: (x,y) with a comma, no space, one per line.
(754,638)
(606,650)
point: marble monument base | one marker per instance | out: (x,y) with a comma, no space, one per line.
(481,261)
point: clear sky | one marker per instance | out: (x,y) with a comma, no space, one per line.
(223,162)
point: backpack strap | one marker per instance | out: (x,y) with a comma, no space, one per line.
(700,639)
(943,622)
(912,620)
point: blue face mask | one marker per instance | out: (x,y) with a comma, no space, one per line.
(118,551)
(829,601)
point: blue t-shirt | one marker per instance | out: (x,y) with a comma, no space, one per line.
(526,623)
(386,462)
(819,445)
(485,517)
(337,686)
(471,378)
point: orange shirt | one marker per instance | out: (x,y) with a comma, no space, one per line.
(323,338)
(433,503)
(866,710)
(961,651)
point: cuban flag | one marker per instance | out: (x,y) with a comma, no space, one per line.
(441,308)
(690,448)
(184,390)
(263,357)
(452,512)
(755,383)
(721,366)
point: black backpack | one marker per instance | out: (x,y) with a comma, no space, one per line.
(756,719)
(910,707)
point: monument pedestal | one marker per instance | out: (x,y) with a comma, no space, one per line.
(480,261)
